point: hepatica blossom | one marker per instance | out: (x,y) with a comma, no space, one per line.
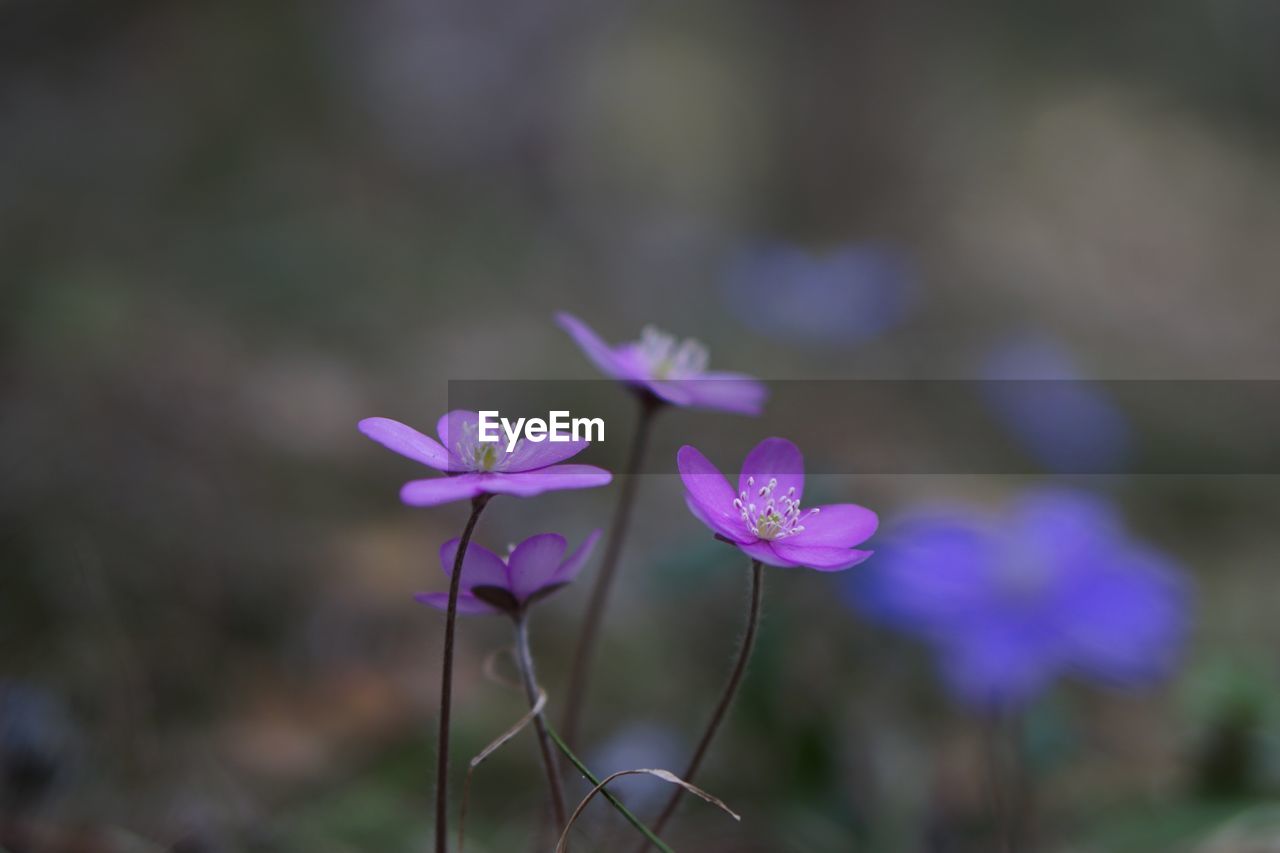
(1008,605)
(475,467)
(534,569)
(673,371)
(764,517)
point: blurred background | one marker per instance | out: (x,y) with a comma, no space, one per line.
(230,230)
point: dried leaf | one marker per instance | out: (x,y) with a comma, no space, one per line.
(486,752)
(664,775)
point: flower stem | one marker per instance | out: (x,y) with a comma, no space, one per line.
(726,699)
(580,672)
(614,801)
(532,690)
(446,678)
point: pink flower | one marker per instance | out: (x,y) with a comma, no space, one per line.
(764,517)
(535,569)
(673,371)
(476,467)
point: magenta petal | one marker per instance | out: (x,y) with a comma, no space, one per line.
(773,459)
(765,553)
(454,427)
(727,392)
(600,353)
(534,563)
(406,441)
(529,456)
(839,525)
(467,603)
(440,490)
(574,562)
(820,557)
(481,567)
(529,483)
(674,391)
(709,495)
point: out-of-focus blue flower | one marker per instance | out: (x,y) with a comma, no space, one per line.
(37,745)
(841,297)
(1065,422)
(1009,604)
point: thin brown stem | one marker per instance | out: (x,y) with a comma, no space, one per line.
(726,699)
(531,689)
(446,679)
(580,672)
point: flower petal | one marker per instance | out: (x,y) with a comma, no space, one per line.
(824,558)
(709,496)
(455,427)
(440,490)
(670,390)
(526,484)
(480,567)
(530,456)
(467,603)
(764,552)
(600,353)
(726,392)
(406,441)
(838,525)
(534,563)
(998,664)
(773,458)
(573,564)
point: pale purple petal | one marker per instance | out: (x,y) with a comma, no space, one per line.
(709,495)
(453,427)
(824,558)
(600,353)
(529,455)
(534,562)
(467,603)
(481,567)
(773,458)
(670,390)
(406,441)
(529,483)
(726,392)
(441,490)
(574,562)
(839,525)
(998,664)
(765,553)
(1125,623)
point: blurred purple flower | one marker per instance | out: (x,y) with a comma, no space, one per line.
(535,569)
(476,467)
(673,371)
(837,298)
(1065,422)
(1009,605)
(764,518)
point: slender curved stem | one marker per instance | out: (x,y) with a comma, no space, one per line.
(446,679)
(614,801)
(580,673)
(531,689)
(726,699)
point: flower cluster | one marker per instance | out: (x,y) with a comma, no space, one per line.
(1008,604)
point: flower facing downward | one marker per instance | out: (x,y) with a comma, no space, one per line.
(475,467)
(533,570)
(764,517)
(673,371)
(1056,587)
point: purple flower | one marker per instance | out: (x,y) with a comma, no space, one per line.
(673,371)
(837,298)
(476,467)
(535,569)
(764,518)
(1008,605)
